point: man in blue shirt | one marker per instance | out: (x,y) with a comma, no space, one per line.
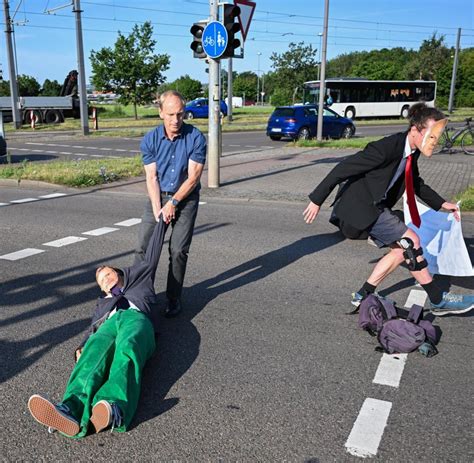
(174,155)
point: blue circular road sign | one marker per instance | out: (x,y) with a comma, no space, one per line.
(214,39)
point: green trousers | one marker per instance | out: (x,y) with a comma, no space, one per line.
(110,367)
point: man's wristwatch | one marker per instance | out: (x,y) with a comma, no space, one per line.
(174,202)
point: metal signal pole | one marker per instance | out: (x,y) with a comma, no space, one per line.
(214,112)
(455,69)
(11,67)
(322,81)
(81,69)
(230,92)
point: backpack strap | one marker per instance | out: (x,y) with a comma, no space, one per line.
(415,313)
(388,309)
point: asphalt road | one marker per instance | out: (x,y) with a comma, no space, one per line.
(53,146)
(264,364)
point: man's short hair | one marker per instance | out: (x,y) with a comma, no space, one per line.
(420,113)
(168,93)
(101,267)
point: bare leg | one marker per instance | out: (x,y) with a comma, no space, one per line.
(394,258)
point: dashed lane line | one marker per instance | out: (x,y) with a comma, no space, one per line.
(367,431)
(129,222)
(4,204)
(69,239)
(21,254)
(24,200)
(390,369)
(53,195)
(100,231)
(64,241)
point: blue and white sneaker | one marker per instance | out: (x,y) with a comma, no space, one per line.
(453,304)
(357,298)
(105,414)
(56,417)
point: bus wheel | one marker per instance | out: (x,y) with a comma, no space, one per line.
(404,112)
(52,117)
(350,112)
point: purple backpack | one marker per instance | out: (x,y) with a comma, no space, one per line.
(380,318)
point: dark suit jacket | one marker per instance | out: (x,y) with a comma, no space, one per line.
(367,175)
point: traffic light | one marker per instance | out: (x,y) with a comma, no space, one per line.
(197,30)
(230,15)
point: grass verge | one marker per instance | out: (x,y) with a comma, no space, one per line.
(79,173)
(467,199)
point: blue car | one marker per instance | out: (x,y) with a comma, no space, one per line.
(300,123)
(200,108)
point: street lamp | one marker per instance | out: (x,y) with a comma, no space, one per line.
(320,34)
(258,76)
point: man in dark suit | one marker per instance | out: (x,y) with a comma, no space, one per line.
(370,183)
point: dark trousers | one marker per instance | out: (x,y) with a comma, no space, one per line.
(182,228)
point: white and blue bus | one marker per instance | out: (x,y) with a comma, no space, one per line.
(353,97)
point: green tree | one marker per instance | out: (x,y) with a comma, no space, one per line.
(131,69)
(5,88)
(294,67)
(50,88)
(28,86)
(245,85)
(465,79)
(188,87)
(430,59)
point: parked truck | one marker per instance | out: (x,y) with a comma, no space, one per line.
(46,109)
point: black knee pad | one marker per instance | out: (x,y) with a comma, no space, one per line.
(410,254)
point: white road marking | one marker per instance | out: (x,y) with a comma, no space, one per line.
(250,146)
(96,155)
(53,195)
(416,296)
(21,254)
(64,241)
(24,200)
(64,152)
(105,149)
(367,431)
(202,202)
(118,149)
(128,223)
(100,231)
(238,146)
(4,204)
(390,370)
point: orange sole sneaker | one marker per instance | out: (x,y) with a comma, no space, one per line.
(101,415)
(46,413)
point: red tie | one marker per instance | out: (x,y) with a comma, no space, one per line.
(415,216)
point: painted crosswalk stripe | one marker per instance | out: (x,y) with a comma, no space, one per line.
(64,241)
(53,195)
(100,231)
(24,200)
(390,370)
(367,431)
(128,223)
(21,254)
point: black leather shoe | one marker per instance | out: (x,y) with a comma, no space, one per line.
(173,309)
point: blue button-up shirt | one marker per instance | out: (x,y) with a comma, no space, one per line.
(172,156)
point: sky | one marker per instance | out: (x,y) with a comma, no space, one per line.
(45,40)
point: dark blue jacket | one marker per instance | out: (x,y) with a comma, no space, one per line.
(138,286)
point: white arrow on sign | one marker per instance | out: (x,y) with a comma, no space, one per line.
(246,12)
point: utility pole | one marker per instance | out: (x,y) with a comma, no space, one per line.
(214,110)
(230,92)
(322,81)
(11,67)
(455,69)
(81,68)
